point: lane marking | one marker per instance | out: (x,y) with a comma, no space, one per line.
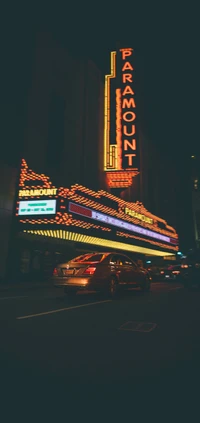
(138,326)
(29,316)
(12,298)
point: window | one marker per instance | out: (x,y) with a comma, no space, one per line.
(119,259)
(129,262)
(80,258)
(89,258)
(114,259)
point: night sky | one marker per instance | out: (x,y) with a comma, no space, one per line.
(166,41)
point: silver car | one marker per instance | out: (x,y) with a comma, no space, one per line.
(106,272)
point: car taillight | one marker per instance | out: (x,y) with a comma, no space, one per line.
(55,272)
(89,271)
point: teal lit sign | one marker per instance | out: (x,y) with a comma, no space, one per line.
(37,207)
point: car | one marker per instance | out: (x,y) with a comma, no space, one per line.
(173,272)
(107,272)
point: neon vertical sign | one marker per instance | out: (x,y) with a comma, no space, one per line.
(120,132)
(128,111)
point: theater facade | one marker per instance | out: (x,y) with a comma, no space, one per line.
(55,223)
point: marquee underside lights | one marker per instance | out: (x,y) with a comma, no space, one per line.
(120,123)
(76,237)
(89,213)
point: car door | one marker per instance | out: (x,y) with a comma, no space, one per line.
(119,267)
(134,276)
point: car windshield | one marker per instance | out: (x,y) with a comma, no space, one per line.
(88,258)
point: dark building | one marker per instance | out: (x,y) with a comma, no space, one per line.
(195,197)
(65,121)
(57,122)
(8,176)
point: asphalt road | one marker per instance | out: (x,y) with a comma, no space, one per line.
(84,349)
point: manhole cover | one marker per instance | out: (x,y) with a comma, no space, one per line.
(138,326)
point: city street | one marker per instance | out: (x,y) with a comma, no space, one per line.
(51,344)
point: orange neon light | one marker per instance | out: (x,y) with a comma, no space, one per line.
(126,52)
(127,77)
(120,179)
(72,193)
(107,110)
(130,158)
(125,131)
(127,66)
(118,128)
(27,175)
(130,144)
(118,156)
(137,213)
(128,103)
(131,118)
(128,90)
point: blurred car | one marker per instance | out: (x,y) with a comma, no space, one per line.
(106,272)
(173,272)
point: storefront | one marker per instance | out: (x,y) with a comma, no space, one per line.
(53,224)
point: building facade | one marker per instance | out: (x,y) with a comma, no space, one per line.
(8,177)
(195,197)
(65,120)
(62,129)
(58,222)
(85,181)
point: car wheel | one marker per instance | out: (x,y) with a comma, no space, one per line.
(112,288)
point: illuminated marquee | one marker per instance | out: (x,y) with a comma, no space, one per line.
(83,211)
(120,131)
(79,213)
(138,215)
(37,192)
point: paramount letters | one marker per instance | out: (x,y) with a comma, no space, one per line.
(138,215)
(128,111)
(121,152)
(37,192)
